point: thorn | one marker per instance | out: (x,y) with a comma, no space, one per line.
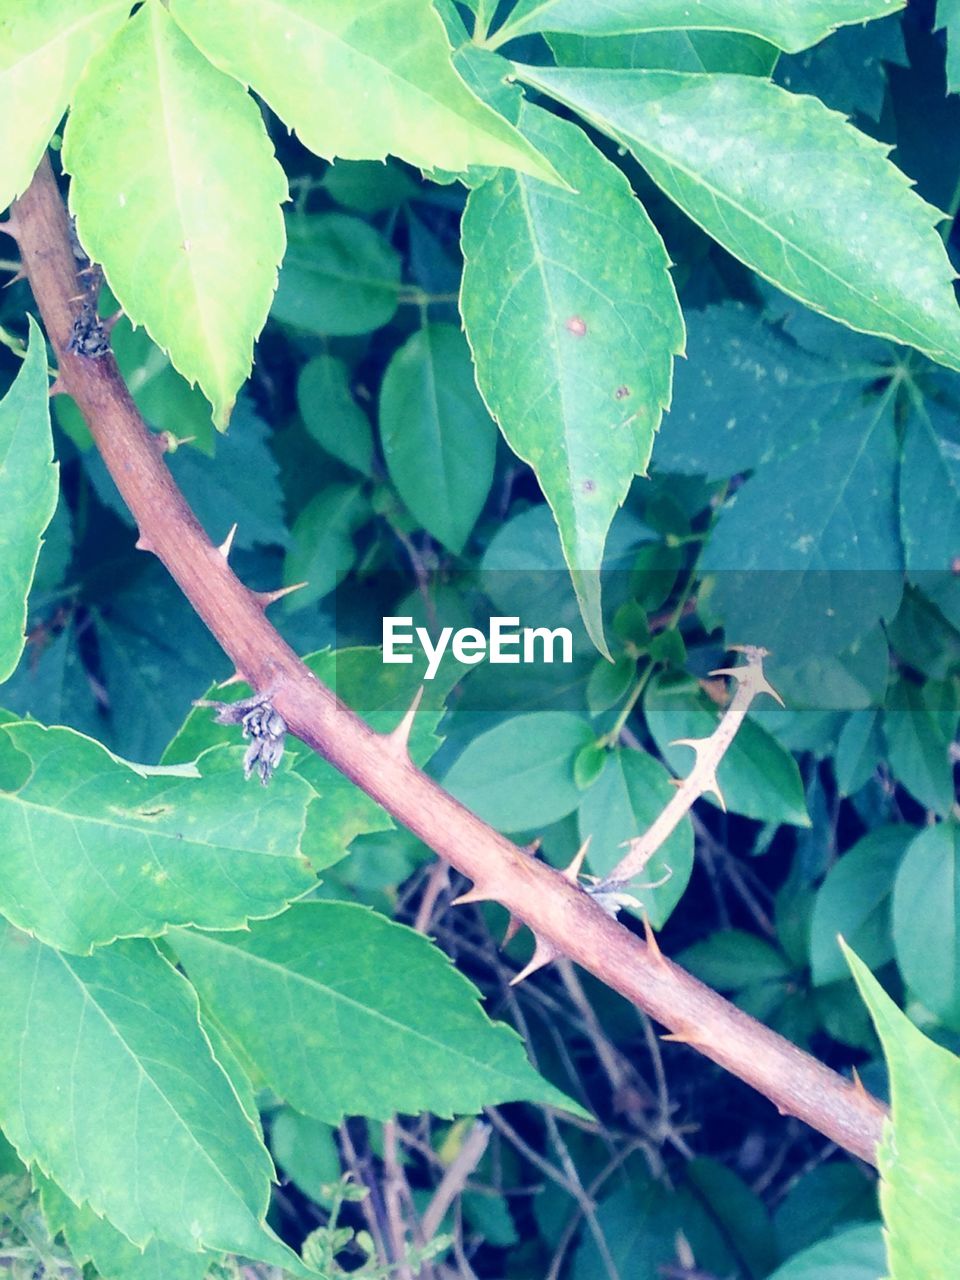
(858,1083)
(677,1038)
(711,784)
(543,953)
(227,543)
(236,678)
(142,544)
(14,279)
(572,873)
(533,847)
(510,932)
(472,895)
(652,944)
(696,744)
(397,741)
(267,598)
(110,321)
(56,387)
(9,227)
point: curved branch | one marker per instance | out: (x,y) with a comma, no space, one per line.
(561,914)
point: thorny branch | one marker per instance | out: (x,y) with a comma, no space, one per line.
(562,915)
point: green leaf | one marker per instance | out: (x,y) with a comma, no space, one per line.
(926,920)
(123,1089)
(323,550)
(369,186)
(93,1239)
(98,849)
(948,17)
(790,27)
(331,414)
(757,776)
(918,749)
(859,751)
(850,71)
(306,1151)
(786,186)
(930,504)
(438,440)
(591,306)
(306,58)
(174,185)
(668,51)
(854,901)
(621,804)
(829,1196)
(739,1211)
(519,775)
(854,1254)
(807,554)
(339,276)
(918,1156)
(365,1041)
(44,47)
(732,959)
(29,487)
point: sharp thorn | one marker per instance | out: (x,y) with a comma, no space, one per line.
(510,932)
(16,278)
(713,786)
(472,895)
(533,847)
(56,387)
(572,872)
(763,685)
(543,953)
(227,543)
(9,227)
(676,1038)
(653,946)
(398,740)
(858,1083)
(110,321)
(236,678)
(267,598)
(143,545)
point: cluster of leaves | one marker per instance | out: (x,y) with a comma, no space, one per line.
(163,997)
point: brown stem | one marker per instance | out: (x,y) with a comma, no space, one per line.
(557,910)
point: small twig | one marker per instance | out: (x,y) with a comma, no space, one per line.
(703,776)
(455,1178)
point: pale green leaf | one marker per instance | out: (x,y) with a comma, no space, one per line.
(340,276)
(757,776)
(948,17)
(29,485)
(786,186)
(929,496)
(176,192)
(115,1095)
(358,81)
(791,26)
(438,440)
(621,804)
(96,848)
(44,47)
(519,774)
(365,1041)
(926,920)
(854,901)
(919,1155)
(918,749)
(93,1239)
(573,321)
(331,414)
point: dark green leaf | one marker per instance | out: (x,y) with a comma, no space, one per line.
(331,414)
(926,920)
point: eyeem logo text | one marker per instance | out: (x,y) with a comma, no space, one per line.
(505,641)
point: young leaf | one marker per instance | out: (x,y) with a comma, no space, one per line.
(97,849)
(366,1040)
(93,1239)
(114,1085)
(306,58)
(919,1156)
(519,774)
(176,192)
(926,928)
(29,485)
(438,440)
(322,551)
(44,47)
(621,804)
(573,321)
(790,27)
(786,186)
